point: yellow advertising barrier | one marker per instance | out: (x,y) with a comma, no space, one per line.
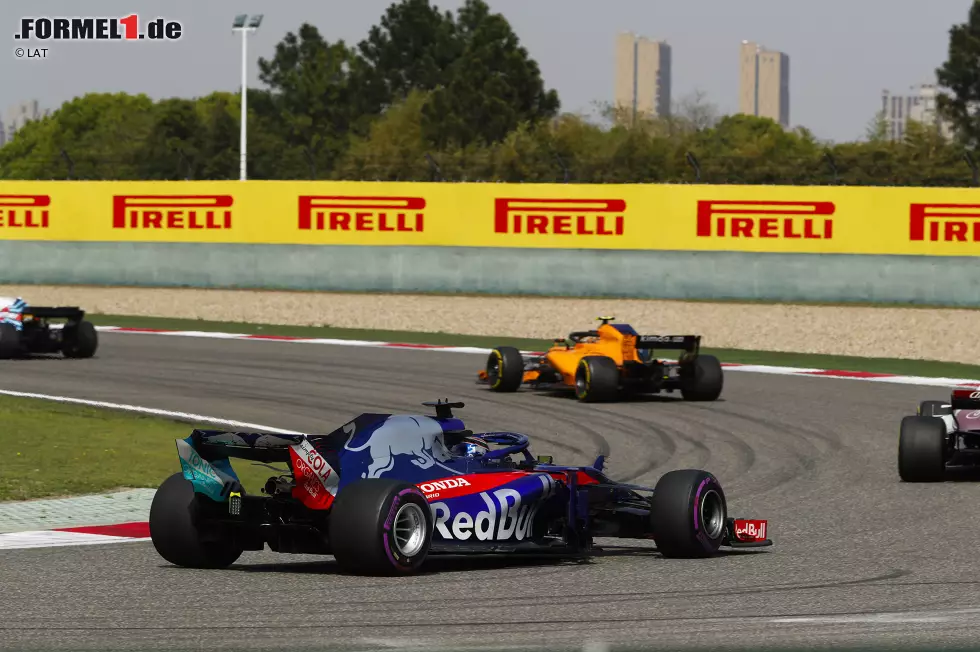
(841,220)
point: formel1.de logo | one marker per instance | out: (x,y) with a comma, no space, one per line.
(102,28)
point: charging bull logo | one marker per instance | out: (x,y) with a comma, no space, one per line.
(417,439)
(509,514)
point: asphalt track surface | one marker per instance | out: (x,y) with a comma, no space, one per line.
(859,557)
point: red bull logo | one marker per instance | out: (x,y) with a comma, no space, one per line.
(506,515)
(415,439)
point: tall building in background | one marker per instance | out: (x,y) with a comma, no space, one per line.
(642,77)
(764,87)
(19,115)
(919,106)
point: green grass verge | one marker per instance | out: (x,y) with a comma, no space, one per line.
(58,449)
(929,368)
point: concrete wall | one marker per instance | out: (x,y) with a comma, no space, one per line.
(640,274)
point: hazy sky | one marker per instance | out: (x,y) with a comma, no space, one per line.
(842,52)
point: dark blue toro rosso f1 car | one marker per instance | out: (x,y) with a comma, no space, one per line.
(383,492)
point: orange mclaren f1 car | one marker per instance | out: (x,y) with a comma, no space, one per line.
(603,364)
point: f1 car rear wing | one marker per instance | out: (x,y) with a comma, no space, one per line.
(689,343)
(71,313)
(965,399)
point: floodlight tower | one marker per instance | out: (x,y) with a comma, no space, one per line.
(244,24)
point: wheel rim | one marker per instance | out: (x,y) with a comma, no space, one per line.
(493,368)
(409,529)
(712,514)
(581,384)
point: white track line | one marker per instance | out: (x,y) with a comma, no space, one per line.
(745,368)
(182,416)
(49,539)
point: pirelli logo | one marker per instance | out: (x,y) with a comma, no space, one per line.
(560,216)
(354,213)
(172,212)
(790,220)
(24,211)
(944,222)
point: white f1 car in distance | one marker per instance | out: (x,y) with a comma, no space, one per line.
(941,435)
(27,330)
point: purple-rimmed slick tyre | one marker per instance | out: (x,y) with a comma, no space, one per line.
(380,527)
(688,512)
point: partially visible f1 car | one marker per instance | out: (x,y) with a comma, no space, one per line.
(604,363)
(942,434)
(26,330)
(384,492)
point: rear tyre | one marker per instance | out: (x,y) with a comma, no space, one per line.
(596,379)
(505,369)
(702,379)
(380,527)
(922,449)
(934,409)
(9,341)
(79,341)
(175,535)
(688,512)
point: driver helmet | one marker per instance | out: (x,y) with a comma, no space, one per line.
(471,447)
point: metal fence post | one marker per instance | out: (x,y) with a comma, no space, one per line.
(71,164)
(436,171)
(833,165)
(693,162)
(973,166)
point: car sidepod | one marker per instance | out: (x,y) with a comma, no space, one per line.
(485,509)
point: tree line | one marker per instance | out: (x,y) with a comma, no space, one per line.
(429,95)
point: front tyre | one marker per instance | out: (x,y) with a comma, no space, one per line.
(688,512)
(177,538)
(380,527)
(80,340)
(702,379)
(505,369)
(922,448)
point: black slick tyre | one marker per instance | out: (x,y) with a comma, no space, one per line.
(176,536)
(702,379)
(9,342)
(380,527)
(922,449)
(505,369)
(688,513)
(934,409)
(79,340)
(596,379)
